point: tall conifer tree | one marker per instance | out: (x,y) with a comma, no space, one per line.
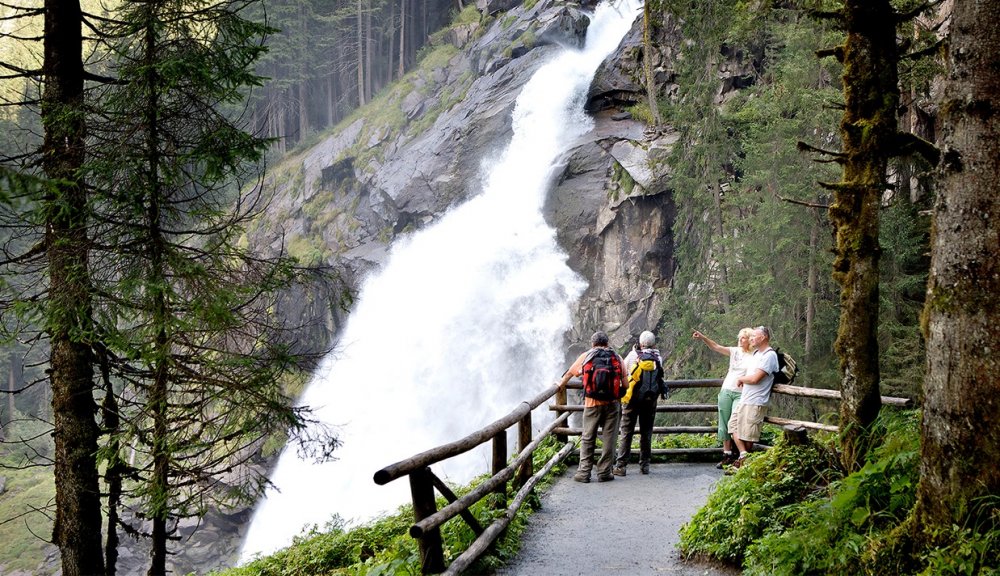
(194,359)
(68,319)
(960,460)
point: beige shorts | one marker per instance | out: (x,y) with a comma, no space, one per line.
(746,422)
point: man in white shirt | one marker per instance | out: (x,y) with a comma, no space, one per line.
(748,418)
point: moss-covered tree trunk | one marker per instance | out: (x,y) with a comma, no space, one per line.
(77,528)
(867,129)
(960,458)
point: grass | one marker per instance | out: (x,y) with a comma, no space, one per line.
(383,546)
(25,506)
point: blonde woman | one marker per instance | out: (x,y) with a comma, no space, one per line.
(729,394)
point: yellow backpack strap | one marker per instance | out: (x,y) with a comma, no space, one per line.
(633,378)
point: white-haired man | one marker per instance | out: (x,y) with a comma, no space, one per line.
(644,368)
(748,418)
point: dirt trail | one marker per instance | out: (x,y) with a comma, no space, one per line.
(628,526)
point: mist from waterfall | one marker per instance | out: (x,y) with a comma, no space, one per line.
(465,320)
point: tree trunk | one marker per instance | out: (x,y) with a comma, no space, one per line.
(812,283)
(77,527)
(14,382)
(402,37)
(369,48)
(391,52)
(647,63)
(960,460)
(304,76)
(867,130)
(303,111)
(720,230)
(360,45)
(115,472)
(157,400)
(331,99)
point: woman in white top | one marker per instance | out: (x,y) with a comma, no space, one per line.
(729,395)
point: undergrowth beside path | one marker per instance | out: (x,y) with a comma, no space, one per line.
(792,512)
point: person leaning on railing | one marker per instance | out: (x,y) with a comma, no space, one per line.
(729,394)
(748,417)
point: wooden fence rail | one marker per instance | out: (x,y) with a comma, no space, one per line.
(423,482)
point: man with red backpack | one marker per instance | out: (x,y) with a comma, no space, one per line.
(602,371)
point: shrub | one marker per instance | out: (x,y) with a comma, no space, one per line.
(749,504)
(839,531)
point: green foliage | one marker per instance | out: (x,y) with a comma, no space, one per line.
(790,512)
(966,551)
(834,531)
(383,546)
(468,15)
(756,258)
(381,541)
(30,491)
(748,505)
(904,235)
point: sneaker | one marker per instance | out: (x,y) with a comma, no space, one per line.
(727,459)
(582,478)
(644,470)
(607,478)
(618,471)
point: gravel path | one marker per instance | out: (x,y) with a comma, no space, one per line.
(628,526)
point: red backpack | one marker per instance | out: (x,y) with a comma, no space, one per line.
(602,376)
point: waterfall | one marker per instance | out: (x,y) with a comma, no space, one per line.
(464,321)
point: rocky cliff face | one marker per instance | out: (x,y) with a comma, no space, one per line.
(353,193)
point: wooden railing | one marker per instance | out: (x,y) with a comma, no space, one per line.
(428,519)
(785,389)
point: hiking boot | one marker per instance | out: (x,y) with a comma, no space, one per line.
(739,462)
(644,469)
(618,471)
(607,478)
(581,478)
(727,459)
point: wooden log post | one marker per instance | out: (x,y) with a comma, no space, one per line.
(451,497)
(499,463)
(795,435)
(424,505)
(561,400)
(523,440)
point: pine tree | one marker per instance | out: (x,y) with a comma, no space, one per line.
(195,361)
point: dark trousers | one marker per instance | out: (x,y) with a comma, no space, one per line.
(644,411)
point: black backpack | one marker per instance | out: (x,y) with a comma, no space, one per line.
(786,368)
(649,384)
(602,376)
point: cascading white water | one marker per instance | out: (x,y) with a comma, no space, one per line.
(464,321)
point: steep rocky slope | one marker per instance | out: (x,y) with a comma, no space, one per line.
(403,161)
